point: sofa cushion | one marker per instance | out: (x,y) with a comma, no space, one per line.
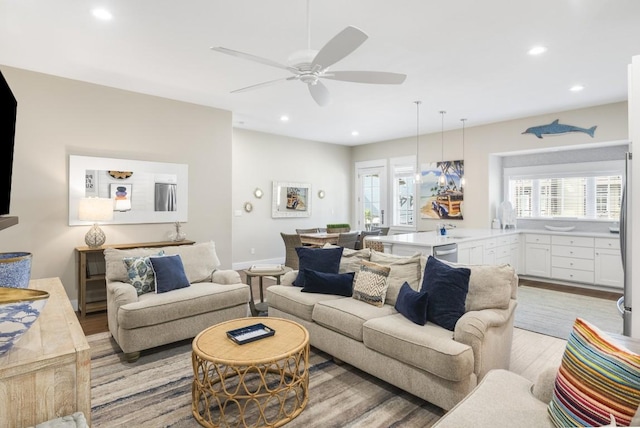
(489,287)
(428,347)
(597,378)
(319,259)
(346,316)
(292,301)
(199,298)
(340,284)
(412,304)
(370,283)
(352,259)
(115,269)
(169,273)
(403,269)
(447,287)
(140,273)
(199,260)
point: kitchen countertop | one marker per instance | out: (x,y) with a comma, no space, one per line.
(455,235)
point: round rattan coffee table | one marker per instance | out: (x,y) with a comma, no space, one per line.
(261,383)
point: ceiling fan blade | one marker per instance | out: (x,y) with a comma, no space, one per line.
(337,48)
(254,58)
(320,93)
(378,77)
(260,85)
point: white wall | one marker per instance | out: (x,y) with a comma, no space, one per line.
(258,160)
(58,117)
(482,194)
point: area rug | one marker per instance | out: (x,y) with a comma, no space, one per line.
(155,391)
(553,312)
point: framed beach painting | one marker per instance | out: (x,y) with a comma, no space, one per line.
(291,199)
(442,190)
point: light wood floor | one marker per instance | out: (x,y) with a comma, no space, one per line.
(531,352)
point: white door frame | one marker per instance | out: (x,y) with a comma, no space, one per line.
(381,167)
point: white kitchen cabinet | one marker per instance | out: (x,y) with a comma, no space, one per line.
(471,253)
(608,263)
(537,255)
(572,258)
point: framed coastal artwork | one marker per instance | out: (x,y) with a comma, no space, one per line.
(442,190)
(291,199)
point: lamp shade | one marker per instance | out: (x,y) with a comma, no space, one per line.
(95,209)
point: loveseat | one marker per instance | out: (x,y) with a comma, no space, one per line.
(597,384)
(429,361)
(154,298)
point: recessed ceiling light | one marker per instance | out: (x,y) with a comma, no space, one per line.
(284,118)
(355,133)
(537,50)
(576,88)
(102,14)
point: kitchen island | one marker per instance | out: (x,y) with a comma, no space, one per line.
(579,258)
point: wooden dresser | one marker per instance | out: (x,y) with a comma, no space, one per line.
(47,373)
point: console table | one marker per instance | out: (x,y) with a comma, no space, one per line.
(91,271)
(47,373)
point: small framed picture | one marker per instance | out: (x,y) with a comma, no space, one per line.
(122,195)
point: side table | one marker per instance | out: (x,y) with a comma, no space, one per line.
(261,306)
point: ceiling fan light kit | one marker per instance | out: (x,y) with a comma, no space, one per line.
(309,66)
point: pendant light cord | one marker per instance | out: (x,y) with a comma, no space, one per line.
(417,138)
(442,113)
(463,122)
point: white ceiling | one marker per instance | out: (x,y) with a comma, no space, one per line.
(467,57)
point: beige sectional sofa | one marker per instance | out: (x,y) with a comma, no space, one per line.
(139,322)
(433,363)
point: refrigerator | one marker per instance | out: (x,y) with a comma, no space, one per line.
(624,303)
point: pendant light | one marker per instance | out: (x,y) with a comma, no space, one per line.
(442,181)
(462,179)
(418,177)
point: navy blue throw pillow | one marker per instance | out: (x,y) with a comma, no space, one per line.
(447,288)
(169,273)
(325,260)
(340,284)
(412,304)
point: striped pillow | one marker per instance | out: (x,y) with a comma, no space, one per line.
(597,379)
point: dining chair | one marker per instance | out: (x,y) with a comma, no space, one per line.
(291,241)
(348,239)
(363,235)
(311,230)
(384,231)
(374,245)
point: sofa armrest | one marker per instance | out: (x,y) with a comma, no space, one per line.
(226,277)
(121,293)
(489,332)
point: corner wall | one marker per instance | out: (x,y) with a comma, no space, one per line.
(58,117)
(258,160)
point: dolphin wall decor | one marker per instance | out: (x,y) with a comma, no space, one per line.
(558,128)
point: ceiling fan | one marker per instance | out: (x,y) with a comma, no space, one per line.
(309,66)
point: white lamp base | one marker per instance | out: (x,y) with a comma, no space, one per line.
(95,237)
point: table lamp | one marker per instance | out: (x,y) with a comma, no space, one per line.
(95,210)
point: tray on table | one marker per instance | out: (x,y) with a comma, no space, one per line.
(250,333)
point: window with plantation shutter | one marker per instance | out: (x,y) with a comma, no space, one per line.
(576,191)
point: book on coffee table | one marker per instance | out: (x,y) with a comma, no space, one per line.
(250,333)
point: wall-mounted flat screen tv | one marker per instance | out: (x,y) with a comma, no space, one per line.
(8,109)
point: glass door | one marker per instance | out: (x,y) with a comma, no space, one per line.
(372,196)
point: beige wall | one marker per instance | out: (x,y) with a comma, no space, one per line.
(482,192)
(58,117)
(258,160)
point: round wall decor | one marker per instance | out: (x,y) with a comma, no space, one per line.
(321,194)
(248,207)
(258,193)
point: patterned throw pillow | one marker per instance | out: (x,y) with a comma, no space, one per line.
(597,378)
(370,283)
(140,273)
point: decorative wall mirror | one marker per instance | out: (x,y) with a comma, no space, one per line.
(144,192)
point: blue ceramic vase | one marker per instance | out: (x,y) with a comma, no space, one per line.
(15,270)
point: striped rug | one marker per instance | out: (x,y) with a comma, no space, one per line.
(155,391)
